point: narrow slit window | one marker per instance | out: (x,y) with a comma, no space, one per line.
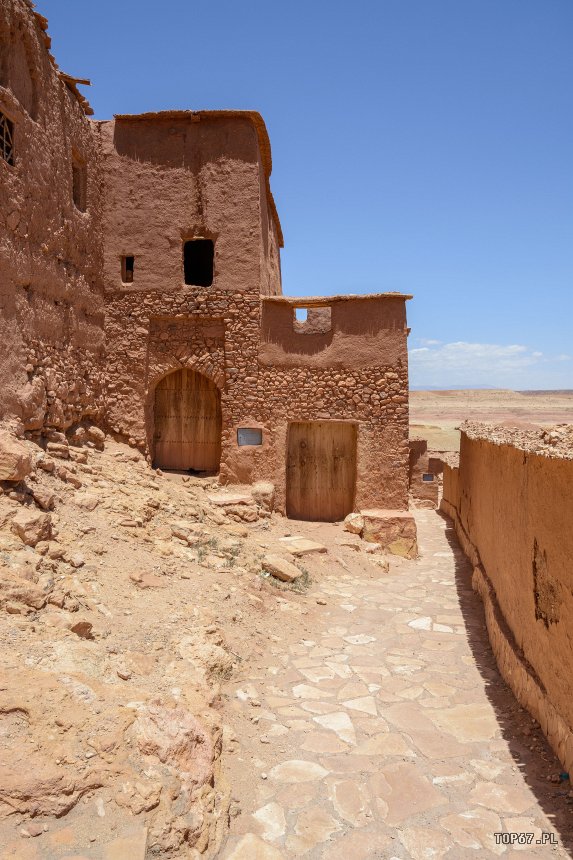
(127,267)
(79,183)
(198,257)
(7,139)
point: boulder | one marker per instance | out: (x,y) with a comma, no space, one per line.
(59,450)
(282,569)
(263,493)
(395,531)
(178,739)
(96,437)
(354,523)
(31,526)
(16,588)
(45,499)
(15,459)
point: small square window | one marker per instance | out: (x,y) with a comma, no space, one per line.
(249,436)
(127,267)
(6,139)
(427,476)
(198,257)
(79,183)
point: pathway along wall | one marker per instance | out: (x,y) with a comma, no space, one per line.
(512,503)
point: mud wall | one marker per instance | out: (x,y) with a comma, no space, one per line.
(513,510)
(51,321)
(422,464)
(176,176)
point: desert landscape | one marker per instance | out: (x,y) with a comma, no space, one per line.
(437,415)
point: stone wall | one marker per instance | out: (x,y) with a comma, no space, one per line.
(177,175)
(512,503)
(51,324)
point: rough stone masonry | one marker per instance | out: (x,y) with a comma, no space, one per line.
(141,290)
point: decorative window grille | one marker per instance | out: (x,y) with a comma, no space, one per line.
(6,139)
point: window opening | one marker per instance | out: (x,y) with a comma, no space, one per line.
(7,139)
(127,266)
(79,183)
(427,476)
(249,436)
(312,320)
(198,256)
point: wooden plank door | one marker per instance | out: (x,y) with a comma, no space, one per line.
(321,470)
(187,422)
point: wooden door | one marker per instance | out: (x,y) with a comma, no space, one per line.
(321,470)
(187,422)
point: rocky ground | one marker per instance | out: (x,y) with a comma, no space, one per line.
(171,666)
(127,596)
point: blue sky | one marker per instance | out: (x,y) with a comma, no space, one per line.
(418,145)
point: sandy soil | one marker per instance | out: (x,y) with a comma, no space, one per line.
(436,415)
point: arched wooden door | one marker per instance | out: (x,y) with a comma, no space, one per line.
(321,470)
(187,422)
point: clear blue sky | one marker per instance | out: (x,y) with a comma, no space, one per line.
(418,145)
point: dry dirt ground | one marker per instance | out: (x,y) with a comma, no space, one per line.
(436,415)
(157,686)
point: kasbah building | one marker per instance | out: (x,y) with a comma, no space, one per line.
(141,289)
(140,297)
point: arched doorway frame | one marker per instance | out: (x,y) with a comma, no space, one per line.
(196,367)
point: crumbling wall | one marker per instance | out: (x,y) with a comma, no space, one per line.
(512,501)
(51,325)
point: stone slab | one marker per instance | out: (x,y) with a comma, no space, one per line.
(302,546)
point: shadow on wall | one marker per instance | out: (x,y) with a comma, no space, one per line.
(175,142)
(515,723)
(359,319)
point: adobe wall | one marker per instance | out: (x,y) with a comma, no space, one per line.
(512,502)
(168,179)
(178,175)
(51,325)
(420,464)
(356,371)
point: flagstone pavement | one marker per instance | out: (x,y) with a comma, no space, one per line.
(388,732)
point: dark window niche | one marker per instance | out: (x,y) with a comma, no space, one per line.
(127,267)
(7,139)
(427,476)
(249,436)
(198,257)
(79,183)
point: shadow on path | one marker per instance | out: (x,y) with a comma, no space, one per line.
(527,744)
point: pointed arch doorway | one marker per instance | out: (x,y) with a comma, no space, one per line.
(187,432)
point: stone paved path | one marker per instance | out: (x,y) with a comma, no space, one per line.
(389,733)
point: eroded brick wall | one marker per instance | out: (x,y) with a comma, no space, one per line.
(51,321)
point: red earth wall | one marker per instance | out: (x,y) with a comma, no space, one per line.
(51,326)
(513,510)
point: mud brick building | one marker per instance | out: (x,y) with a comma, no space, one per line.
(141,286)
